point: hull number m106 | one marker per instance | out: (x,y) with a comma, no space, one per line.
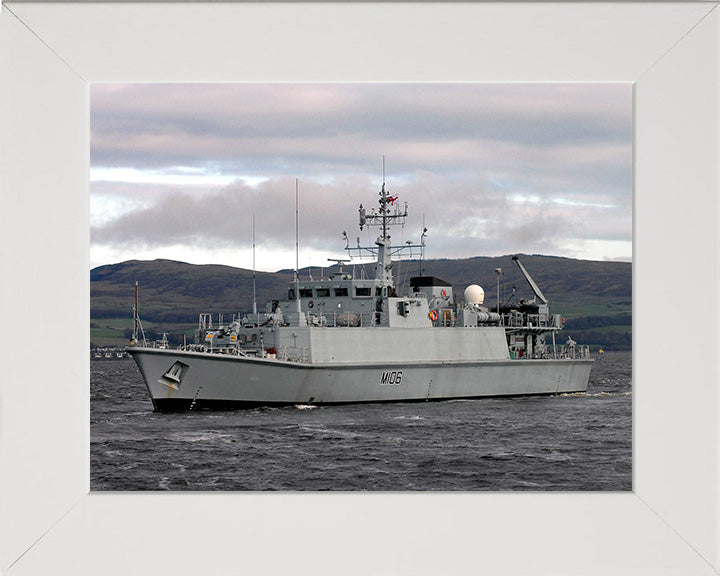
(391,378)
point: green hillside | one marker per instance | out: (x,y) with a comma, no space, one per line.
(594,297)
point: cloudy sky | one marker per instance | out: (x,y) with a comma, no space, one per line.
(179,170)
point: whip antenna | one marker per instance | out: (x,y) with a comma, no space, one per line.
(254,296)
(297,250)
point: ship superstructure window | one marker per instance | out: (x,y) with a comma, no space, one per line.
(322,292)
(306,293)
(340,292)
(362,291)
(291,293)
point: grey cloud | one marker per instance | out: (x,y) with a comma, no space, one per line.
(461,221)
(152,123)
(224,217)
(460,154)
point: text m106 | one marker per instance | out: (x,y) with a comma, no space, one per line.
(391,378)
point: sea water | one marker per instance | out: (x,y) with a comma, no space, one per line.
(565,442)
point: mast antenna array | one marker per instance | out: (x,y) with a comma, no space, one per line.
(388,214)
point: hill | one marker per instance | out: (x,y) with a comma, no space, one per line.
(595,297)
(175,291)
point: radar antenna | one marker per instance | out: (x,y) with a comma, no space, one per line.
(339,262)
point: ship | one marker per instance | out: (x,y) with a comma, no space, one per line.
(349,338)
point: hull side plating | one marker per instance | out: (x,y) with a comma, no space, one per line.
(190,380)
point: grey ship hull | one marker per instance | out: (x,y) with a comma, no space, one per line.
(184,380)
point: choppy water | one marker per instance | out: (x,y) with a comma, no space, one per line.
(567,442)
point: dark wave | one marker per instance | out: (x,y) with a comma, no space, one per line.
(568,442)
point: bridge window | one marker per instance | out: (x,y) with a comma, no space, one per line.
(362,291)
(340,291)
(322,292)
(306,293)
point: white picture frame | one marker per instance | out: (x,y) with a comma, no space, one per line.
(51,523)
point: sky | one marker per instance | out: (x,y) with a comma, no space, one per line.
(178,171)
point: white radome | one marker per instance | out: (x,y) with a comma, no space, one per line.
(474,294)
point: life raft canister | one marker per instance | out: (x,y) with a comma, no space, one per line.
(433,315)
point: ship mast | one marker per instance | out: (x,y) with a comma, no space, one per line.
(297,260)
(383,205)
(383,268)
(135,313)
(137,328)
(254,295)
(389,214)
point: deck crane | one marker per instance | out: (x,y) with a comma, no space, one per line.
(539,296)
(537,305)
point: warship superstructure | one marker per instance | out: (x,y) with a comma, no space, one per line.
(344,339)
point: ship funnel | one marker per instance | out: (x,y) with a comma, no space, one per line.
(474,294)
